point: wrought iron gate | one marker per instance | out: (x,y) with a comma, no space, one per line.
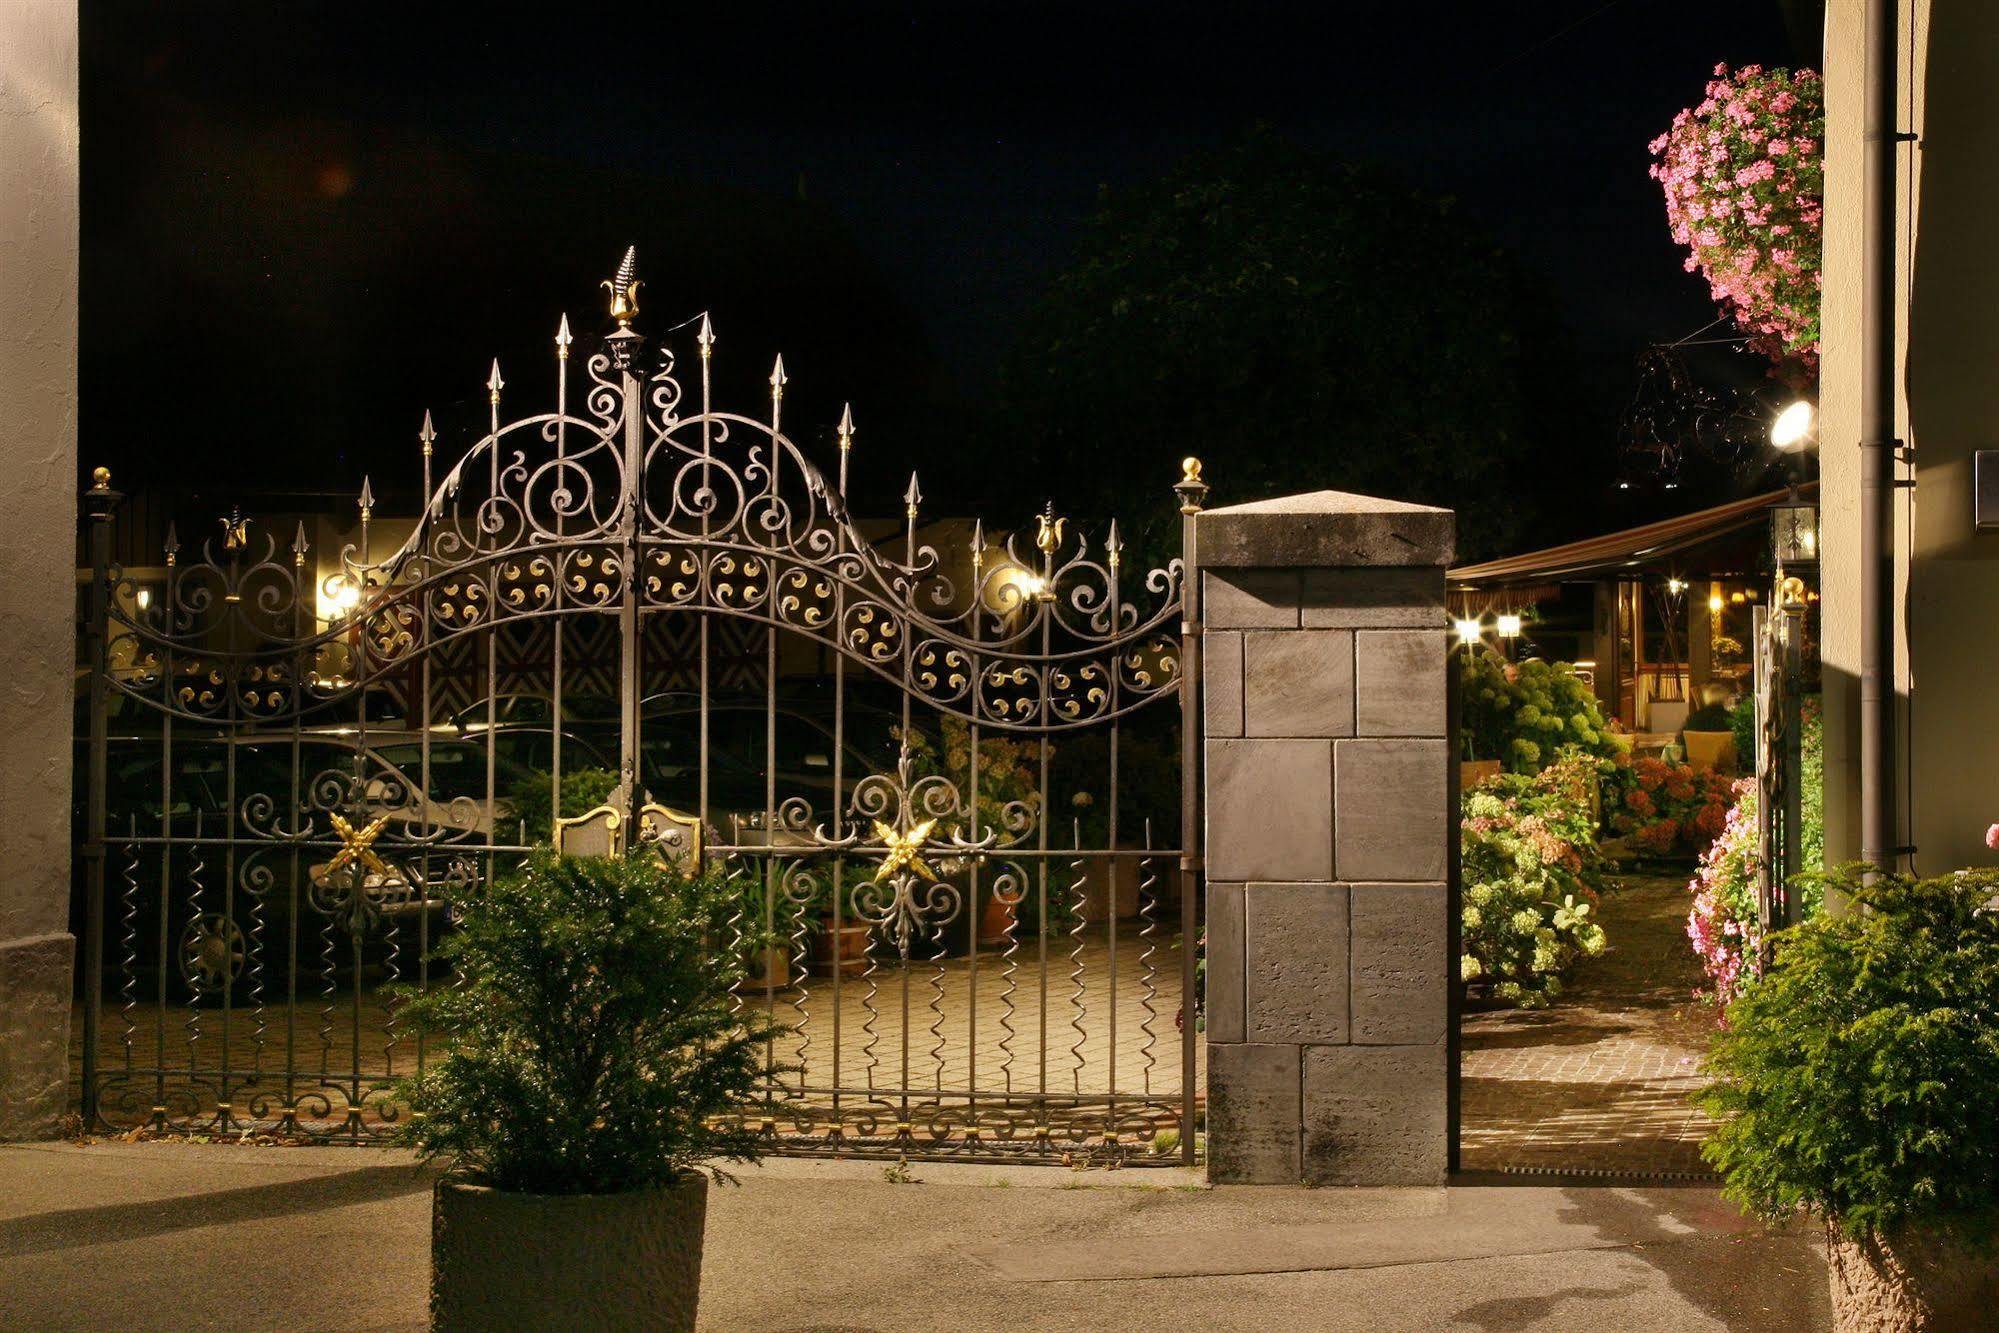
(937,765)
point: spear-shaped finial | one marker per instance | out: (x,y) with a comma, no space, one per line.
(846,427)
(299,545)
(494,383)
(778,378)
(367,498)
(978,545)
(624,289)
(173,542)
(706,337)
(913,496)
(1113,545)
(562,338)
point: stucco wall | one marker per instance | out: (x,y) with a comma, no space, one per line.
(1949,407)
(38,297)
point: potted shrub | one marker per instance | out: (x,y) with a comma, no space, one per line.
(592,1052)
(1857,1079)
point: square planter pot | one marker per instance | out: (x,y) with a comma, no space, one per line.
(501,1259)
(1920,1278)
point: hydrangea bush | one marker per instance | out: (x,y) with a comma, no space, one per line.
(1744,177)
(1530,880)
(1525,714)
(1663,809)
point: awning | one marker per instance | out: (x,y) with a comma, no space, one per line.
(1728,539)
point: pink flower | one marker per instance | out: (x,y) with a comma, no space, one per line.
(1992,837)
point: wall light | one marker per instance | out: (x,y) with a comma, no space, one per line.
(145,599)
(1793,426)
(1676,586)
(1507,626)
(337,596)
(1470,631)
(1715,602)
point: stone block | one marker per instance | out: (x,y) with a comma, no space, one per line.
(1223,978)
(1324,529)
(1250,598)
(1270,810)
(1295,962)
(1298,683)
(1253,1114)
(1399,682)
(1386,598)
(1221,682)
(1391,821)
(34,1035)
(1399,941)
(1375,1115)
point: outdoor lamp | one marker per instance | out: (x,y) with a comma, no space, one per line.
(1793,426)
(1794,534)
(1715,602)
(1676,586)
(1507,626)
(145,599)
(1470,630)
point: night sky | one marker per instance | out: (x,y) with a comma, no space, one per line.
(304,223)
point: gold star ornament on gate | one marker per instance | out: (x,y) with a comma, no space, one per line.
(904,850)
(357,848)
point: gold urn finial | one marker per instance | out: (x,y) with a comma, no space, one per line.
(1190,471)
(100,479)
(624,289)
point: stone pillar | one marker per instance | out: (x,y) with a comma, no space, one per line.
(1327,840)
(38,300)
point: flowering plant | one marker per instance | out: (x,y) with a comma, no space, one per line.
(1745,184)
(1723,924)
(1530,877)
(1661,808)
(1524,715)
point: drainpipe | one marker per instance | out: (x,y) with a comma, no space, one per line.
(1877,443)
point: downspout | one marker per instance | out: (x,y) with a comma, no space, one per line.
(1877,442)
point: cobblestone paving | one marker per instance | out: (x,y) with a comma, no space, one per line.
(1602,1079)
(928,1027)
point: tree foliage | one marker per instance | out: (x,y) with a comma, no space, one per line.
(1858,1077)
(591,1038)
(1296,322)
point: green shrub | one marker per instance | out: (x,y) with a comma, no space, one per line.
(1858,1077)
(591,1039)
(1530,870)
(583,790)
(1525,715)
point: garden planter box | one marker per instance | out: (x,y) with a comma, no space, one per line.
(844,951)
(1471,772)
(1920,1278)
(501,1259)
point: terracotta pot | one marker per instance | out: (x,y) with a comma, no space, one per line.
(1097,904)
(845,950)
(561,1261)
(1918,1278)
(996,919)
(767,969)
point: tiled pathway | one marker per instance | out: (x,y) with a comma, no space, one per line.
(1601,1080)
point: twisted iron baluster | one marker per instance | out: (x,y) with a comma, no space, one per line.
(1148,910)
(129,986)
(192,1024)
(1076,905)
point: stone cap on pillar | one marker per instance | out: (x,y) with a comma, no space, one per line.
(1324,529)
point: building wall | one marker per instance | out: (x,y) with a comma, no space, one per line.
(38,292)
(1949,338)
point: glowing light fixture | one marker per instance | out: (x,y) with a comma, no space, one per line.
(1470,630)
(337,597)
(1676,586)
(1793,426)
(1507,626)
(1715,602)
(145,599)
